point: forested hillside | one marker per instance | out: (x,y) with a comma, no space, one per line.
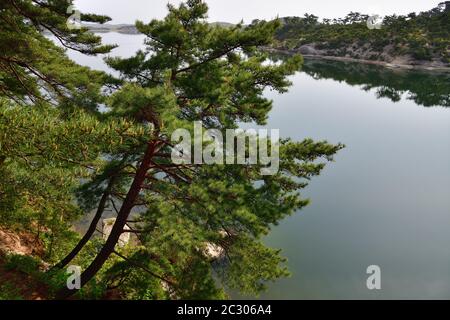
(411,38)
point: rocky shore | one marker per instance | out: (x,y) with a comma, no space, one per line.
(389,61)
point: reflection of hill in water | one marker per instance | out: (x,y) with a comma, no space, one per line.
(424,88)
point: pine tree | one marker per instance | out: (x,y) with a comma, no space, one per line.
(32,68)
(52,135)
(193,71)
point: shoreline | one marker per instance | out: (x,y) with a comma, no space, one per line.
(373,62)
(131,30)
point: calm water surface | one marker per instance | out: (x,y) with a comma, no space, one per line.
(386,198)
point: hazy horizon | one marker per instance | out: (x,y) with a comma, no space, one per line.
(236,10)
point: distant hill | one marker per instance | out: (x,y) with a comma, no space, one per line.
(414,39)
(420,40)
(119,28)
(223,24)
(131,28)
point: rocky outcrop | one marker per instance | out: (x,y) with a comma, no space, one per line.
(106,231)
(308,49)
(213,251)
(20,243)
(365,54)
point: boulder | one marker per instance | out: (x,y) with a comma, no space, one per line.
(308,50)
(107,227)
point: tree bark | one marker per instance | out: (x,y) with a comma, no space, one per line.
(91,230)
(119,225)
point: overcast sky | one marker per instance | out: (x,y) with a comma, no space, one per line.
(128,11)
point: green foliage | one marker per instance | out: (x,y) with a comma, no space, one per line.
(32,68)
(53,280)
(252,266)
(194,71)
(45,160)
(196,282)
(25,264)
(52,134)
(424,36)
(136,278)
(92,291)
(9,292)
(47,142)
(59,155)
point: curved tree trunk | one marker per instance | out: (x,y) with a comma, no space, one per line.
(119,225)
(91,230)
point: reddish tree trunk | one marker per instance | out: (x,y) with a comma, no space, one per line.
(119,225)
(91,230)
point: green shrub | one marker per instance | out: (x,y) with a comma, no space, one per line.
(26,264)
(9,292)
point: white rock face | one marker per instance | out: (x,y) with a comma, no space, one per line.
(213,251)
(308,49)
(107,227)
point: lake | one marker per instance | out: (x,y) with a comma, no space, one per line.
(384,201)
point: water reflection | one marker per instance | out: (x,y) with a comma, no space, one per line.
(428,89)
(385,199)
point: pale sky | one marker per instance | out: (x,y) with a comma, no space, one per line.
(128,11)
